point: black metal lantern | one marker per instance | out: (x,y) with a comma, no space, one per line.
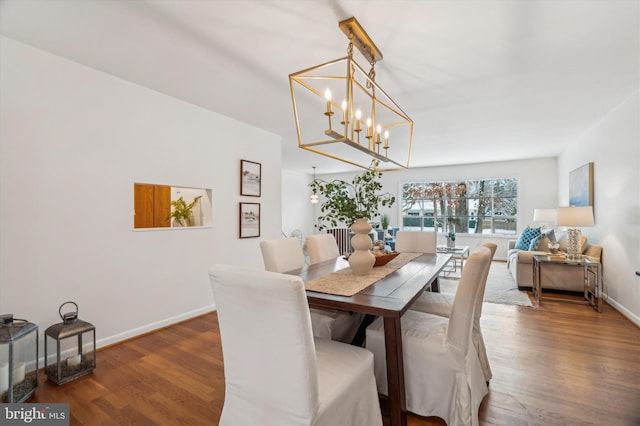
(73,346)
(18,359)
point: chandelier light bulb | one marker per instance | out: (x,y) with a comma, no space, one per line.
(327,96)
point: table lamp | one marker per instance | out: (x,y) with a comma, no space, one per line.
(544,216)
(573,217)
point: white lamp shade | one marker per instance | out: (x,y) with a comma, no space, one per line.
(575,216)
(544,215)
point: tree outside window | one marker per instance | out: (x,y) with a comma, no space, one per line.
(481,206)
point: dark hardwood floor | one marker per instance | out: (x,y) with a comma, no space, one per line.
(561,364)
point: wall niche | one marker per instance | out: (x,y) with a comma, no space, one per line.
(152,206)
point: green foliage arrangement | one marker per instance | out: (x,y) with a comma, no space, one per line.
(181,211)
(344,202)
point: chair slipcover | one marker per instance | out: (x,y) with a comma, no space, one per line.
(440,304)
(416,242)
(282,254)
(275,373)
(285,254)
(443,375)
(321,247)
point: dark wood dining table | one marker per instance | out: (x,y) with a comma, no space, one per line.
(389,297)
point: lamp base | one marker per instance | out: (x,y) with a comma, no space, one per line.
(574,244)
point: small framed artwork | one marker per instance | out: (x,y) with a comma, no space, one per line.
(249,220)
(250,178)
(581,186)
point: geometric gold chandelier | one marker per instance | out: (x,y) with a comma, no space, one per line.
(342,113)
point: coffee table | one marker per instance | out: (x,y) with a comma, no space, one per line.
(458,255)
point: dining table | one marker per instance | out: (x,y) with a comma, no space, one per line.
(388,293)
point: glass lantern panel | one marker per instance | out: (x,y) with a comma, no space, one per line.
(22,370)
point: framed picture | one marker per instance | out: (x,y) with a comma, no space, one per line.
(250,178)
(581,186)
(249,220)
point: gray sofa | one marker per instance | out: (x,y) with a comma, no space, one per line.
(555,277)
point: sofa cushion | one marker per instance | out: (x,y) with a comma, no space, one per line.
(594,253)
(540,243)
(550,234)
(524,240)
(534,243)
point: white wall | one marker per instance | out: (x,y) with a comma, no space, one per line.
(72,143)
(537,188)
(297,210)
(613,145)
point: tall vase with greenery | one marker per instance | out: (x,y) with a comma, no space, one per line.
(353,203)
(344,202)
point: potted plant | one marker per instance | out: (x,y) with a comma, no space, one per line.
(384,221)
(451,239)
(344,202)
(353,203)
(181,211)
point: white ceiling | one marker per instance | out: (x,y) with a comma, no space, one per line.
(482,80)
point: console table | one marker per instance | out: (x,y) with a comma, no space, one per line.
(592,277)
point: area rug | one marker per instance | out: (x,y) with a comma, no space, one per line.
(501,288)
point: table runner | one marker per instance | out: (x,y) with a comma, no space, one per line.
(346,283)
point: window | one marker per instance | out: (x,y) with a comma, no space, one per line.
(481,206)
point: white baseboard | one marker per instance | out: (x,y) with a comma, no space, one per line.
(624,311)
(141,330)
(106,341)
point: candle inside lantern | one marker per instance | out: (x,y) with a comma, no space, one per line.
(74,361)
(386,139)
(369,129)
(358,117)
(378,131)
(327,96)
(344,111)
(18,373)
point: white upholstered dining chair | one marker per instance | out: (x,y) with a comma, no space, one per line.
(443,375)
(275,372)
(285,254)
(321,247)
(440,304)
(416,242)
(282,254)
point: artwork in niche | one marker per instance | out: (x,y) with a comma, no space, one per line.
(581,186)
(250,178)
(249,220)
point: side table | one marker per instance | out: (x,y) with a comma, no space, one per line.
(592,277)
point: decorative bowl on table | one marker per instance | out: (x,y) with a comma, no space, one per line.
(383,256)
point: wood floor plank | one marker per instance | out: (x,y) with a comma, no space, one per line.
(559,364)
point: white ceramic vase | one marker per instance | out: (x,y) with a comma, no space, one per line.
(361,260)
